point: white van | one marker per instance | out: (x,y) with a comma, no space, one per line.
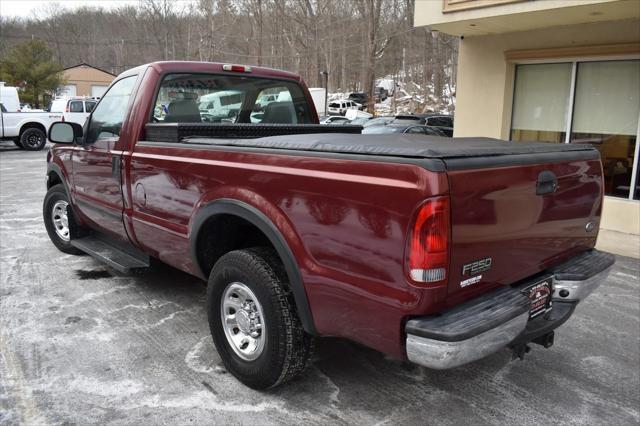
(9,98)
(74,109)
(224,104)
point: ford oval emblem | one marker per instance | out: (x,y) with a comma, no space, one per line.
(590,226)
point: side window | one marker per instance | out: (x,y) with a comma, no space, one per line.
(76,106)
(440,122)
(108,116)
(89,106)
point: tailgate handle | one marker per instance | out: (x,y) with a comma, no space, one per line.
(547,183)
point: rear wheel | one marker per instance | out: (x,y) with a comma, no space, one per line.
(59,221)
(253,319)
(33,139)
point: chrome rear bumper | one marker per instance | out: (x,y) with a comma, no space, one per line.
(575,291)
(461,335)
(441,355)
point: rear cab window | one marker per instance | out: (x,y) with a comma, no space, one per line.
(221,98)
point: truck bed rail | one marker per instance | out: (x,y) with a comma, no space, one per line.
(176,132)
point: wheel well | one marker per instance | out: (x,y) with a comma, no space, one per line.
(32,126)
(54,179)
(223,233)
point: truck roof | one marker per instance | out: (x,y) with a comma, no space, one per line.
(208,67)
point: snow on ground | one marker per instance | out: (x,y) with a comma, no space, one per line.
(408,98)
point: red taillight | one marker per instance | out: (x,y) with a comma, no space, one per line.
(67,108)
(236,68)
(427,257)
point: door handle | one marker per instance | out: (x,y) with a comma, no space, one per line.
(547,183)
(116,166)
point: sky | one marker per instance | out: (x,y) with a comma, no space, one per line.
(25,8)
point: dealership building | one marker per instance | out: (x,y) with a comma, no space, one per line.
(556,71)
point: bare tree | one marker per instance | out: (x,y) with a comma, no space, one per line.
(357,41)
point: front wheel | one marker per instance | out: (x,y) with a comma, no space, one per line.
(59,221)
(253,319)
(33,139)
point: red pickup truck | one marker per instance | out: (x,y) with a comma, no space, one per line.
(436,250)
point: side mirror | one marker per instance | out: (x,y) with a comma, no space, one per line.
(64,132)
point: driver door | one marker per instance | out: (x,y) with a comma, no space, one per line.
(97,162)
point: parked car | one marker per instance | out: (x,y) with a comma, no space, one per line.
(27,130)
(361,98)
(334,119)
(340,107)
(411,247)
(75,109)
(441,121)
(403,128)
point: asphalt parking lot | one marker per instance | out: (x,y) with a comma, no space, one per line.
(80,344)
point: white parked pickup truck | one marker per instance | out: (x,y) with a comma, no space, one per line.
(28,130)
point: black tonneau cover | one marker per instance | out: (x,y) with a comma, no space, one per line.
(402,145)
(439,152)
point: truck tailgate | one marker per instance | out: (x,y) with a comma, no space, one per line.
(511,220)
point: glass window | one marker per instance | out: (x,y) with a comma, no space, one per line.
(108,116)
(76,106)
(274,105)
(440,121)
(541,102)
(605,114)
(414,130)
(211,98)
(89,106)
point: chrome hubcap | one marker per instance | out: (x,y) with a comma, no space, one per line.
(242,321)
(60,219)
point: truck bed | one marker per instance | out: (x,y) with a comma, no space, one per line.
(457,153)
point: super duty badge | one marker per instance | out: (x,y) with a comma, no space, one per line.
(476,267)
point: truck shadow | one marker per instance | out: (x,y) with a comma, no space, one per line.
(338,365)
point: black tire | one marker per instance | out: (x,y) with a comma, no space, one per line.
(17,143)
(287,347)
(54,194)
(33,139)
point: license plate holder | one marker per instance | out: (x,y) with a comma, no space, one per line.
(540,296)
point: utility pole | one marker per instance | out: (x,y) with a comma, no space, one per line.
(325,74)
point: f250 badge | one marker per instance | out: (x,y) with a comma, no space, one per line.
(476,267)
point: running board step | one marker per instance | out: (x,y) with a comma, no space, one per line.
(114,256)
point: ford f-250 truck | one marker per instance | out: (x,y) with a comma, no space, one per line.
(436,250)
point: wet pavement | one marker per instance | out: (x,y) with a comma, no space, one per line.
(80,344)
